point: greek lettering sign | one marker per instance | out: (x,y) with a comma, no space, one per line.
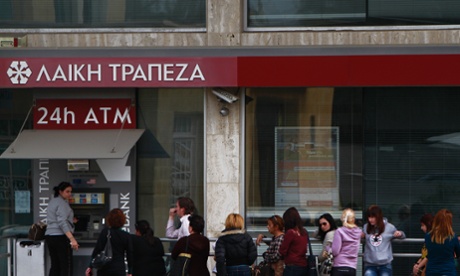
(117,72)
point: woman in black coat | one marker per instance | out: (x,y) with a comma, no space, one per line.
(121,245)
(148,252)
(235,249)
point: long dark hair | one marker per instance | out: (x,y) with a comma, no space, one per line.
(427,219)
(146,232)
(375,211)
(293,221)
(330,219)
(61,187)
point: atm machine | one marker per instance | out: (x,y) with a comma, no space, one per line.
(90,207)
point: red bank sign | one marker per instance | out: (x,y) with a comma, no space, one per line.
(84,114)
(117,72)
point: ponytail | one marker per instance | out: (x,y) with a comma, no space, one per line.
(61,187)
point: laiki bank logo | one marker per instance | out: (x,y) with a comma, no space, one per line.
(19,72)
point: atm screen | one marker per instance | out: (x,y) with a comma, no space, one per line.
(82,224)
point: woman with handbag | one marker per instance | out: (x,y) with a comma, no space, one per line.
(272,263)
(196,245)
(121,245)
(442,245)
(294,247)
(235,249)
(325,234)
(345,246)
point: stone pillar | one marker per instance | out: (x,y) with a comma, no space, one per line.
(223,163)
(225,22)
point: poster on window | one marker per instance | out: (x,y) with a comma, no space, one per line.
(22,202)
(306,167)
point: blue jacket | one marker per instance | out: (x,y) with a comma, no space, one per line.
(441,256)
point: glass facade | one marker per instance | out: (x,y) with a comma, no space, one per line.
(324,149)
(316,13)
(102,14)
(170,154)
(15,175)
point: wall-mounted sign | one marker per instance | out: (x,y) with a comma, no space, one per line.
(117,72)
(307,167)
(84,114)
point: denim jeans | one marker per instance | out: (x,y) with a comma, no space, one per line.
(294,270)
(378,270)
(238,270)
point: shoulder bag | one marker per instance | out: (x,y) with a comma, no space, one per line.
(312,260)
(326,266)
(180,266)
(37,231)
(105,256)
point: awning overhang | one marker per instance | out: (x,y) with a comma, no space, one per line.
(73,144)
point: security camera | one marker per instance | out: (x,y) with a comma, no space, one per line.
(224,111)
(224,95)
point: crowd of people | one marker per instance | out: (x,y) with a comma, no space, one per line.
(142,253)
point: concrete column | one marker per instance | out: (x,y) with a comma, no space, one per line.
(225,22)
(222,164)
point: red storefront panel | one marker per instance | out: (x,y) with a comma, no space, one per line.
(244,71)
(375,70)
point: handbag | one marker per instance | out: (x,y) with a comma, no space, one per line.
(105,256)
(180,266)
(37,231)
(264,270)
(278,267)
(312,260)
(326,266)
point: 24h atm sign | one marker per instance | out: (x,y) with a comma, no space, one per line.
(117,72)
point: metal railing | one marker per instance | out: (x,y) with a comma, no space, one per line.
(318,244)
(8,255)
(10,241)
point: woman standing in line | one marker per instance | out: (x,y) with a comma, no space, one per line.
(148,252)
(442,245)
(378,252)
(235,249)
(426,223)
(325,233)
(294,247)
(272,258)
(345,246)
(197,245)
(121,246)
(59,231)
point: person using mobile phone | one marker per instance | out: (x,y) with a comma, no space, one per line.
(184,208)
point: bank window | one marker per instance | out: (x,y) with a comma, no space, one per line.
(15,174)
(337,13)
(103,14)
(395,147)
(170,161)
(302,146)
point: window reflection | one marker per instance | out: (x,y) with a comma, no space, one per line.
(170,163)
(103,13)
(314,13)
